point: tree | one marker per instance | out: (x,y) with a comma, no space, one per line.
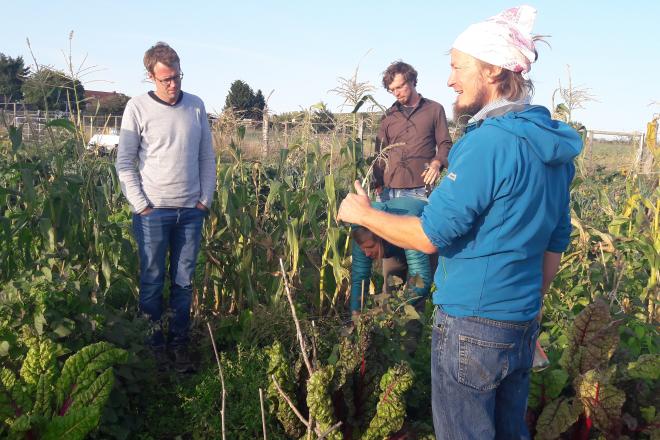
(12,74)
(111,105)
(257,107)
(240,96)
(243,101)
(53,90)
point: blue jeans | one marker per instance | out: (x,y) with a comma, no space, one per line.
(180,232)
(392,193)
(480,377)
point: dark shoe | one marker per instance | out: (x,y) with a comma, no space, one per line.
(161,359)
(182,362)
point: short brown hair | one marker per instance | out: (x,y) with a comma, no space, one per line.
(361,235)
(405,69)
(160,53)
(510,85)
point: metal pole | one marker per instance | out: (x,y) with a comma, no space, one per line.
(590,144)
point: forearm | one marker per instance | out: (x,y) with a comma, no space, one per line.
(442,139)
(403,231)
(207,178)
(207,165)
(551,262)
(129,178)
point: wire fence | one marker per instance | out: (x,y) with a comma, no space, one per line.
(603,150)
(618,151)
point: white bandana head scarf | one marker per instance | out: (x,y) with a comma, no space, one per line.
(504,40)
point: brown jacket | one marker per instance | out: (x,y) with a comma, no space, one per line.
(425,137)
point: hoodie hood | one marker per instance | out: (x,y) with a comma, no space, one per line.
(554,142)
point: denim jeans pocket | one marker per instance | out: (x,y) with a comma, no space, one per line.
(482,364)
(149,214)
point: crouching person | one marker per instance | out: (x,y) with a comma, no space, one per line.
(410,265)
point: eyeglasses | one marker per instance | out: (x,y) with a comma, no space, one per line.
(168,81)
(397,89)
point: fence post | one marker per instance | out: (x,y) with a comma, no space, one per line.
(264,132)
(286,135)
(590,143)
(651,144)
(639,157)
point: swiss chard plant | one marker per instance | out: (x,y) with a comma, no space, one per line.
(43,401)
(594,387)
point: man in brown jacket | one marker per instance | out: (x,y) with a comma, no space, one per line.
(419,125)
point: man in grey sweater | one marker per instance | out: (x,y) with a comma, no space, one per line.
(166,167)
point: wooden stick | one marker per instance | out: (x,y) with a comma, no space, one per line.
(222,380)
(314,356)
(329,431)
(263,414)
(295,320)
(308,424)
(362,298)
(291,405)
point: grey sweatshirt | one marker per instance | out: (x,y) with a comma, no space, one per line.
(165,157)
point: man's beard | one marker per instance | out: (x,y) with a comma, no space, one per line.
(462,113)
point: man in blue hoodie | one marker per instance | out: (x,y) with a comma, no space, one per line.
(500,221)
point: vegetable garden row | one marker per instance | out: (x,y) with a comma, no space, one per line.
(72,345)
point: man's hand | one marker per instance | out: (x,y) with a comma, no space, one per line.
(201,207)
(432,173)
(146,211)
(355,206)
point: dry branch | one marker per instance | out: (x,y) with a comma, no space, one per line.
(330,431)
(263,414)
(295,320)
(289,402)
(222,380)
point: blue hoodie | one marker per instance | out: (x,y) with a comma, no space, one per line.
(502,204)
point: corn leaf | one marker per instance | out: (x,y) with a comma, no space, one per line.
(62,123)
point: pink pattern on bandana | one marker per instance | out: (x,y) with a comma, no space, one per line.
(503,40)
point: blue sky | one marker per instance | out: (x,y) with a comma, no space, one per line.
(300,48)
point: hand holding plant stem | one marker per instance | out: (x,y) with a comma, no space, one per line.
(354,207)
